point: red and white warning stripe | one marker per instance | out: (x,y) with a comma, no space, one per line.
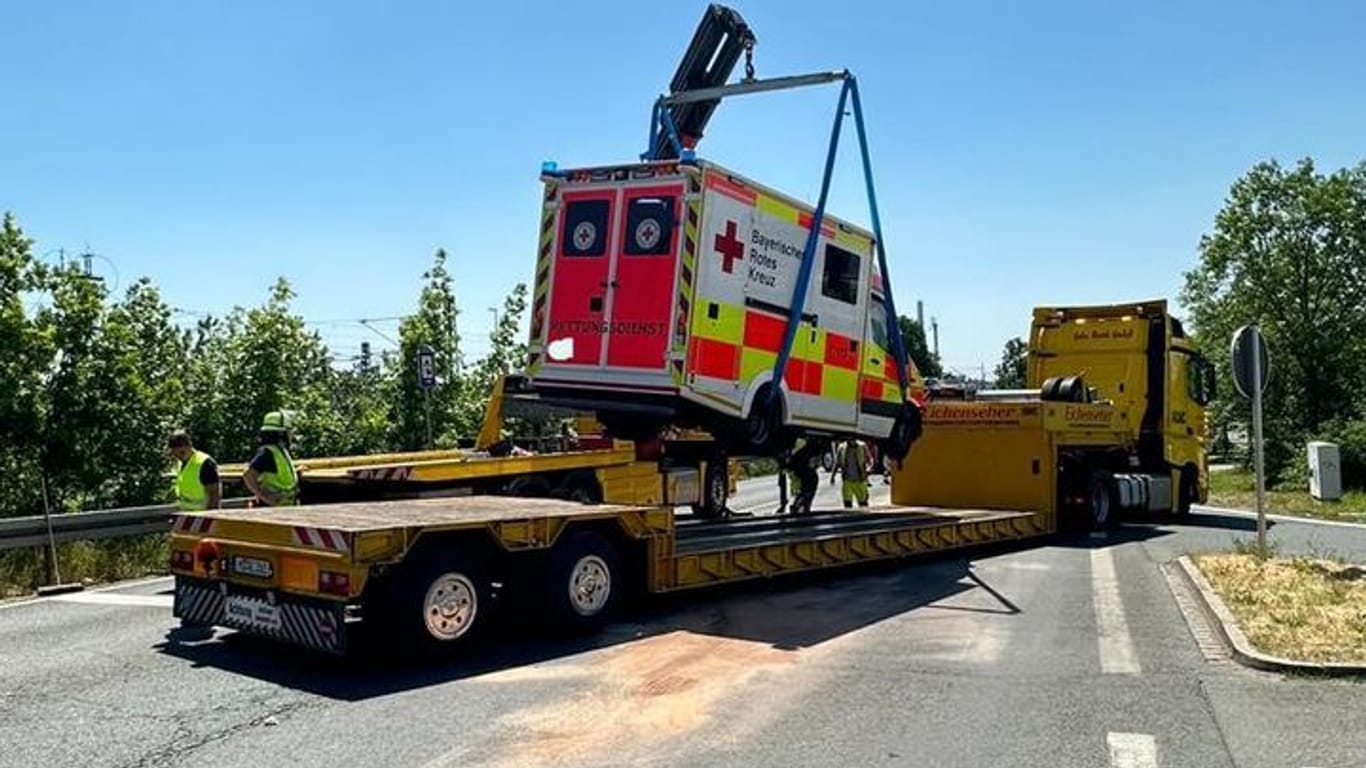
(336,541)
(193,524)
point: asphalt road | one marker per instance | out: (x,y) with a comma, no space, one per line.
(1070,654)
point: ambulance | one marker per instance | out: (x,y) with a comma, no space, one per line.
(663,292)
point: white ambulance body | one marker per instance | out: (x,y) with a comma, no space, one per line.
(663,292)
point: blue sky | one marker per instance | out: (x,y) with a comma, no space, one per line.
(1025,153)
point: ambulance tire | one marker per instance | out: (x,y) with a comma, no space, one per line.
(761,430)
(906,430)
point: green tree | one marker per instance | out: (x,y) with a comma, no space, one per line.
(1013,370)
(1288,251)
(255,361)
(913,336)
(434,326)
(26,353)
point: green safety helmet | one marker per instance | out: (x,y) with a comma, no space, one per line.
(277,421)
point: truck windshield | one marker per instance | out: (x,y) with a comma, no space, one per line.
(1199,378)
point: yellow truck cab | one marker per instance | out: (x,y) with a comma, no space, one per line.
(663,293)
(1138,359)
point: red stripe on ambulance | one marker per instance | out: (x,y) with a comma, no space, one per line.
(764,332)
(716,359)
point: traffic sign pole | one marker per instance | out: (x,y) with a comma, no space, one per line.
(1251,369)
(1259,452)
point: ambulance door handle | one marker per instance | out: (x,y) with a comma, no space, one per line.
(608,284)
(875,360)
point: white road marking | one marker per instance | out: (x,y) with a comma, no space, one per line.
(1117,656)
(93,590)
(1277,518)
(114,598)
(1132,750)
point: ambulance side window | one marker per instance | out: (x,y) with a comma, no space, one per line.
(649,226)
(585,228)
(877,319)
(840,278)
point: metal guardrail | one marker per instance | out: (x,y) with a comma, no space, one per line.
(20,532)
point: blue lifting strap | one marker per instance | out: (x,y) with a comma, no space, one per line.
(809,251)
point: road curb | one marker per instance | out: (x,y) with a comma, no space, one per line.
(1240,648)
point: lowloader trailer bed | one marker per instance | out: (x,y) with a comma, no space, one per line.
(425,570)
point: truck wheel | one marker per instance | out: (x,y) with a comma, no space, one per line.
(715,489)
(443,602)
(1102,512)
(582,584)
(1188,491)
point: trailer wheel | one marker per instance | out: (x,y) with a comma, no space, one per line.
(529,486)
(582,584)
(443,602)
(582,486)
(715,489)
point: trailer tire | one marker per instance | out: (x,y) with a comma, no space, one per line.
(715,490)
(582,486)
(442,603)
(528,486)
(583,580)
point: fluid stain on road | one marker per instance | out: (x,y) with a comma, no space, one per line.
(641,694)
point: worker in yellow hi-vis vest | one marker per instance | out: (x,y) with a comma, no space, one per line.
(271,476)
(197,485)
(853,461)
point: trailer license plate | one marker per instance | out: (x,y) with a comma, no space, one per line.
(252,613)
(252,566)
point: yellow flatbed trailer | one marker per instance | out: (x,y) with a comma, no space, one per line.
(613,474)
(428,570)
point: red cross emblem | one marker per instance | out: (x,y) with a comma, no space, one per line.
(730,247)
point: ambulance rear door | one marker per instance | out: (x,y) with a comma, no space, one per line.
(612,286)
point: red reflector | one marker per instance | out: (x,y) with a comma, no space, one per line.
(334,583)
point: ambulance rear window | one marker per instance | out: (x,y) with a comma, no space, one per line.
(840,279)
(585,228)
(649,226)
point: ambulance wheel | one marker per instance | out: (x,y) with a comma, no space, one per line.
(762,428)
(905,431)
